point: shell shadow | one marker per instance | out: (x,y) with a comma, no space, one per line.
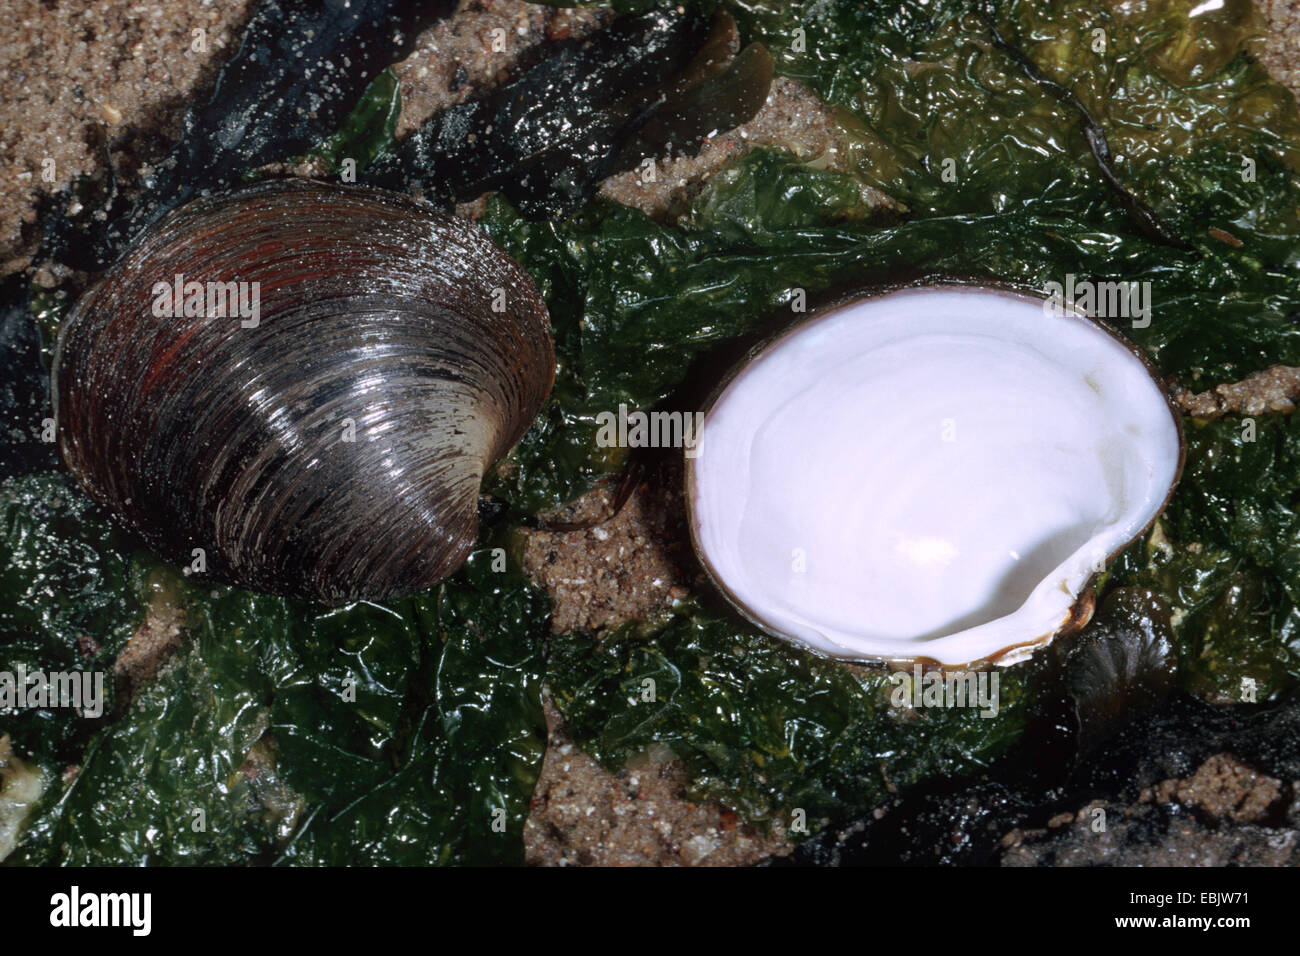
(1020,580)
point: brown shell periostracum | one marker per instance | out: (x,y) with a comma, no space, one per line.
(328,441)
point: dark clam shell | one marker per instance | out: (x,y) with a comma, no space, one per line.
(334,449)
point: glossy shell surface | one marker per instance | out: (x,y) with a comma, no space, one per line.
(330,442)
(932,474)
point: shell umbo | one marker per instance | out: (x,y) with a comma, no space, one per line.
(334,448)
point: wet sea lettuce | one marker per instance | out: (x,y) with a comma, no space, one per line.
(1225,558)
(644,311)
(412,732)
(368,129)
(72,597)
(997,179)
(281,731)
(768,729)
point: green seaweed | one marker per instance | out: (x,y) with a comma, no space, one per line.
(764,727)
(1224,557)
(452,784)
(72,597)
(283,731)
(1027,204)
(368,130)
(411,732)
(636,302)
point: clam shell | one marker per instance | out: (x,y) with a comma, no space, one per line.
(333,449)
(935,473)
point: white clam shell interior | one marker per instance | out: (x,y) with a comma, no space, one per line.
(935,472)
